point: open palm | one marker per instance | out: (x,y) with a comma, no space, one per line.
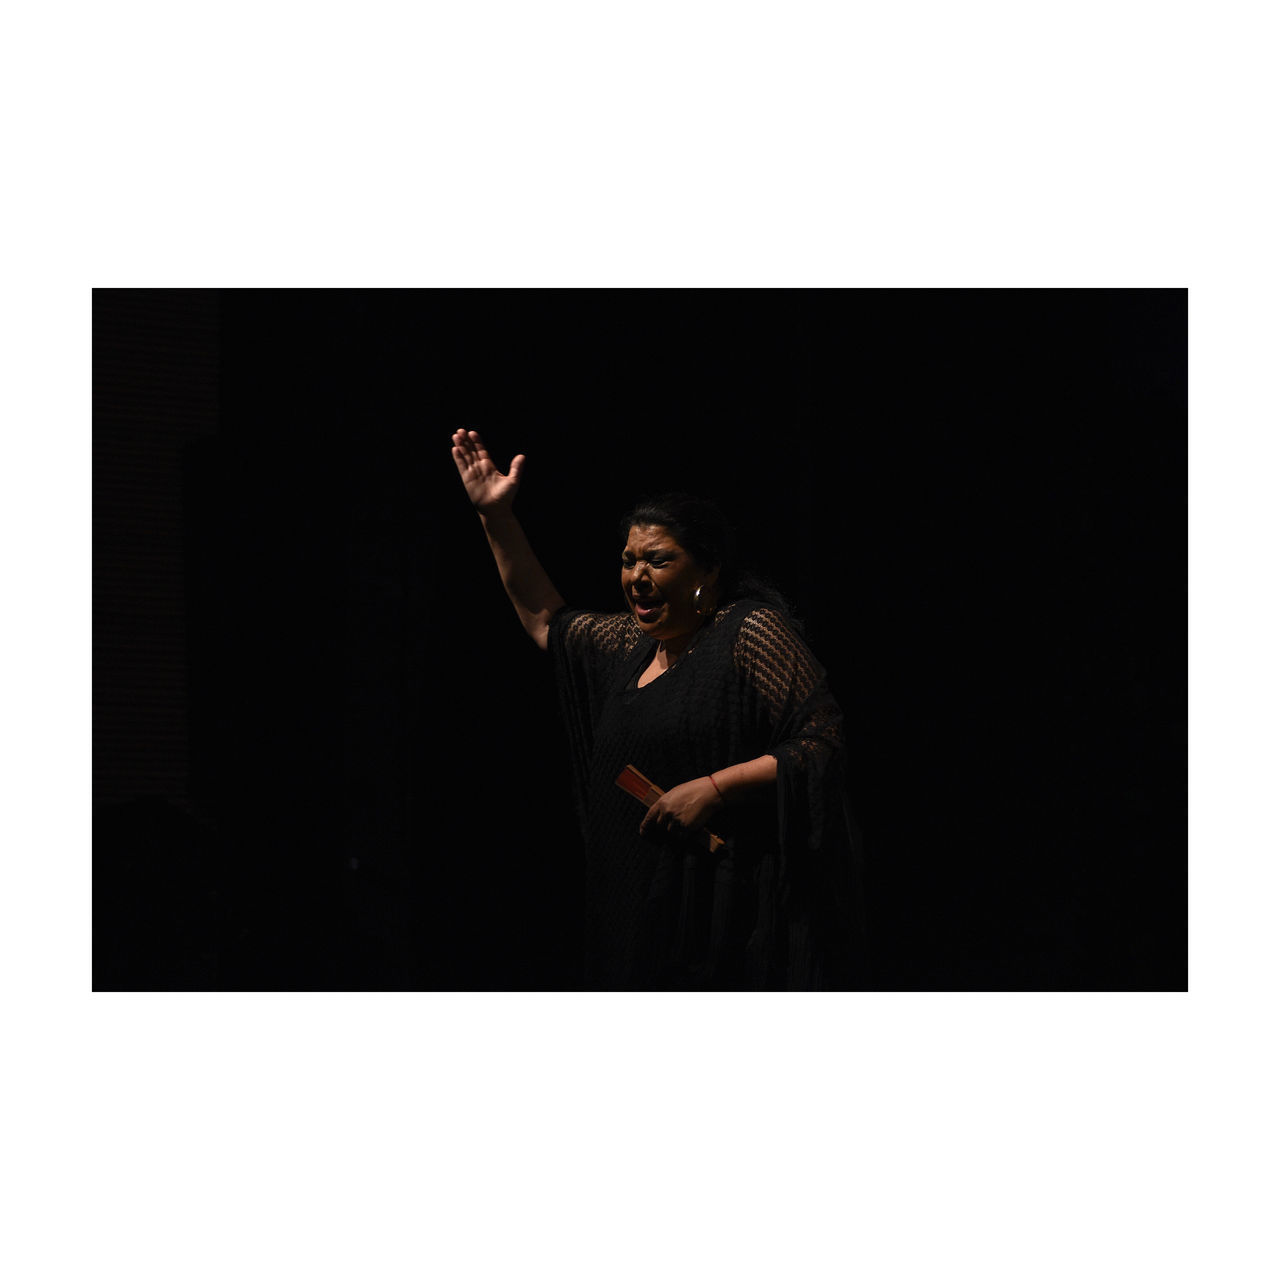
(487,487)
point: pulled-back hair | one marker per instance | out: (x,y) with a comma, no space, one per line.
(701,528)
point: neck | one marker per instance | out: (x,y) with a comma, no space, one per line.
(674,647)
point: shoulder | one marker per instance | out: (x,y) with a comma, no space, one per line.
(580,630)
(761,625)
(765,639)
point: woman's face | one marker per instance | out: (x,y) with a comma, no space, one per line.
(659,578)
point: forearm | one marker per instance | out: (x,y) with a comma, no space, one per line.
(531,592)
(738,781)
(693,804)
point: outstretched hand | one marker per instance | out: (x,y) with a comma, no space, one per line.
(486,486)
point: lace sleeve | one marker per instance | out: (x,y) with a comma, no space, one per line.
(816,870)
(790,688)
(585,649)
(583,634)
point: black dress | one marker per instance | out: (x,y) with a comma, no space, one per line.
(776,906)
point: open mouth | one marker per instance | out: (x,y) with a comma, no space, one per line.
(647,609)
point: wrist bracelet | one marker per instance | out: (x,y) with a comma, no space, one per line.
(712,779)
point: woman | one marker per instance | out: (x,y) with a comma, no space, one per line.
(741,873)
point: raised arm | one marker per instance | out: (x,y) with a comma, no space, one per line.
(493,495)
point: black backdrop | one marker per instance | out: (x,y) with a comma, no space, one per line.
(977,500)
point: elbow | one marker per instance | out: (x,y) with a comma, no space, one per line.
(539,625)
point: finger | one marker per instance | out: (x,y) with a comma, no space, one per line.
(465,464)
(650,818)
(463,452)
(478,445)
(484,464)
(517,467)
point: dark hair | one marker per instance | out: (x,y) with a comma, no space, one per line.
(701,528)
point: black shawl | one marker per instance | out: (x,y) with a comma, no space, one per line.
(778,906)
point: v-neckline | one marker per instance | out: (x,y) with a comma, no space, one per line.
(634,682)
(649,658)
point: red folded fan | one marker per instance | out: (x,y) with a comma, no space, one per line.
(634,783)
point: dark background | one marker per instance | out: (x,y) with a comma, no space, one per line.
(326,757)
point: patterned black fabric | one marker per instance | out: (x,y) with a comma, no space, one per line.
(776,908)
